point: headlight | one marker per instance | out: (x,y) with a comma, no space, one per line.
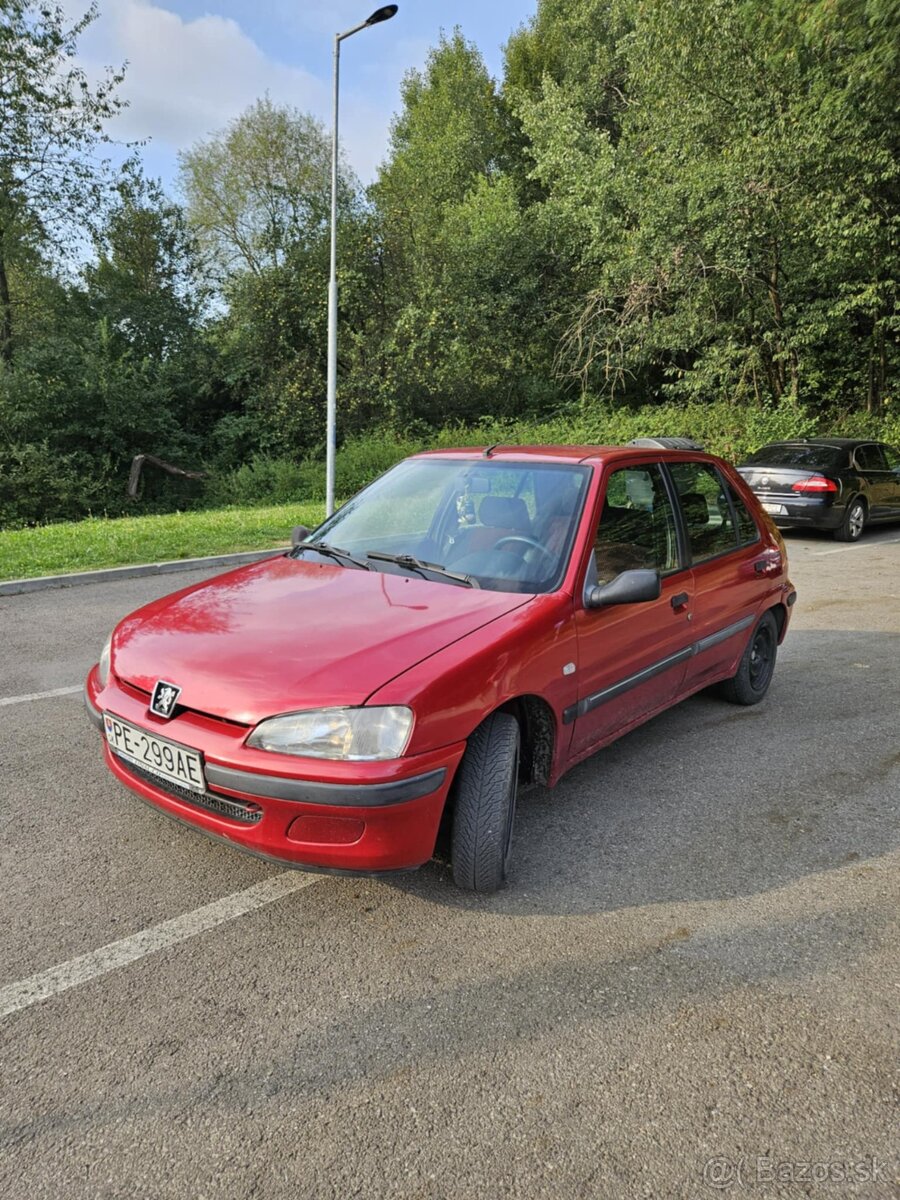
(356,734)
(103,668)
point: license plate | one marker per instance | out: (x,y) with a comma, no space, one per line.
(778,509)
(175,763)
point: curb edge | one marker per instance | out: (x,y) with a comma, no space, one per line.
(41,583)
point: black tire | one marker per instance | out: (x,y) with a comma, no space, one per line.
(751,682)
(485,806)
(854,522)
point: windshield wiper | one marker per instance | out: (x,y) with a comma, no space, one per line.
(424,568)
(333,552)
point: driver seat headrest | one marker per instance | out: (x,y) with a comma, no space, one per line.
(505,512)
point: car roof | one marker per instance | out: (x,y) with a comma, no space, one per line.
(837,443)
(564,454)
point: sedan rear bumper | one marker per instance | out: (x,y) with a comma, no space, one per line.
(815,511)
(357,817)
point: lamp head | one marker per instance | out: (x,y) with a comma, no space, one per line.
(383,14)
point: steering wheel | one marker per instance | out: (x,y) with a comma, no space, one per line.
(527,541)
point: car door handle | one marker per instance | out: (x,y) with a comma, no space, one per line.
(680,601)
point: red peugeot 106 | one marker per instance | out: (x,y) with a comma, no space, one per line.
(472,620)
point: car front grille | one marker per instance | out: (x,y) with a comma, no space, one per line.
(234,810)
(143,697)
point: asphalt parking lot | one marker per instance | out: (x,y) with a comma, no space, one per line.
(690,986)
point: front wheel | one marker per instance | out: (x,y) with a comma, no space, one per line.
(854,522)
(754,674)
(485,806)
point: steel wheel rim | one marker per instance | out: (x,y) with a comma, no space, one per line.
(857,520)
(761,658)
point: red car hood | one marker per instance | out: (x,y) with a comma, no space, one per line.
(284,634)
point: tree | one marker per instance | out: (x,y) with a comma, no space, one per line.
(448,135)
(146,280)
(737,227)
(469,278)
(258,198)
(118,365)
(51,123)
(580,46)
(145,302)
(261,186)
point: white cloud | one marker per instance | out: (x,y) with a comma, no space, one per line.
(186,79)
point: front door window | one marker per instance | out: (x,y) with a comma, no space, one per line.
(637,525)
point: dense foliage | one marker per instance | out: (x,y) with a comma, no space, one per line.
(671,216)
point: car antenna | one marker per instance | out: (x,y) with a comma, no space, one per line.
(489,450)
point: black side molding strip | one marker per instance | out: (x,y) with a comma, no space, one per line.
(304,791)
(589,703)
(625,685)
(723,635)
(95,716)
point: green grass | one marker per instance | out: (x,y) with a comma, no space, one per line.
(100,542)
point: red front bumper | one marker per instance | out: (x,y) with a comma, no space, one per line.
(342,816)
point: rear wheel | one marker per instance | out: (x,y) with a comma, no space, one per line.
(751,681)
(854,522)
(485,806)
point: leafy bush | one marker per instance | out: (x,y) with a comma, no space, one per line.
(363,459)
(35,480)
(270,480)
(264,480)
(861,425)
(724,429)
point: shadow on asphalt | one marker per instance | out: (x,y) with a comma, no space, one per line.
(710,801)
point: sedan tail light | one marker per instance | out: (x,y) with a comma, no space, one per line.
(815,483)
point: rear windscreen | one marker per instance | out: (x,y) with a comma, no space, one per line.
(817,458)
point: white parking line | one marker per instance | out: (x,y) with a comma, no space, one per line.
(858,546)
(66,691)
(16,996)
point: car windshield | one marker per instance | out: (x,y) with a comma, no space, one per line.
(816,458)
(501,525)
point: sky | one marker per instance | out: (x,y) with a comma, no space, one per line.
(194,65)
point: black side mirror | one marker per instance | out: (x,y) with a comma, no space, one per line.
(299,534)
(631,587)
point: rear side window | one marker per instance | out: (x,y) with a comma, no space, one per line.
(893,458)
(707,512)
(870,458)
(746,526)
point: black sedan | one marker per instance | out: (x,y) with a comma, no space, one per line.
(838,484)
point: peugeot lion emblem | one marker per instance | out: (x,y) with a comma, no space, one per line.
(162,702)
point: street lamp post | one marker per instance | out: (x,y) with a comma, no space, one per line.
(381,14)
